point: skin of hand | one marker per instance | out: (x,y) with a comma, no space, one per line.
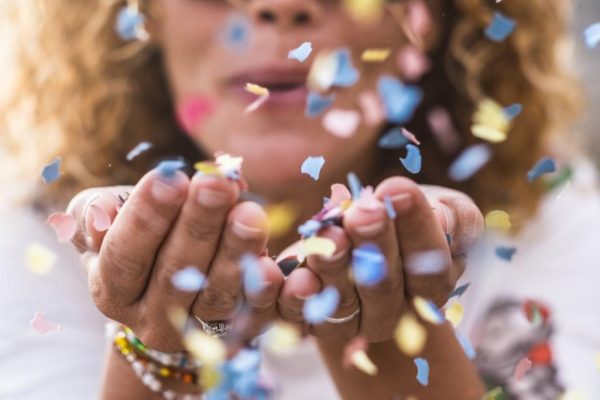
(167,224)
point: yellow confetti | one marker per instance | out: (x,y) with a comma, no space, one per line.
(281,338)
(207,168)
(40,260)
(490,122)
(257,89)
(498,219)
(178,318)
(375,55)
(455,313)
(281,217)
(362,362)
(323,70)
(426,311)
(410,335)
(210,377)
(208,349)
(493,394)
(367,11)
(572,395)
(315,245)
(598,361)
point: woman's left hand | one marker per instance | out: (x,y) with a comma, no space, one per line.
(426,217)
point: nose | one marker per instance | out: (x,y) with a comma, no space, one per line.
(285,14)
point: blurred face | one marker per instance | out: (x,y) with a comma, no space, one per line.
(277,137)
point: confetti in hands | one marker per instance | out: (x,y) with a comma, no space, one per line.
(64,225)
(321,305)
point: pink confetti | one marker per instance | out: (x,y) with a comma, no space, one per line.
(372,108)
(522,367)
(339,193)
(192,111)
(341,123)
(443,130)
(41,324)
(64,225)
(410,136)
(419,20)
(412,63)
(100,219)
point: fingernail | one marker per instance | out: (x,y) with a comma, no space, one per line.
(87,217)
(301,298)
(448,216)
(370,229)
(244,231)
(211,198)
(402,202)
(369,204)
(337,256)
(164,191)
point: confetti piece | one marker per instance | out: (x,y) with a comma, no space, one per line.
(412,63)
(51,172)
(139,149)
(355,185)
(443,130)
(459,291)
(410,136)
(466,345)
(281,218)
(168,168)
(571,394)
(321,305)
(236,32)
(341,123)
(256,103)
(498,219)
(500,27)
(469,162)
(363,363)
(256,89)
(229,166)
(375,55)
(208,349)
(371,107)
(301,52)
(490,122)
(494,394)
(393,139)
(130,24)
(312,167)
(322,71)
(389,207)
(544,166)
(281,338)
(505,253)
(40,260)
(368,265)
(410,335)
(428,310)
(346,75)
(455,313)
(400,101)
(535,312)
(309,228)
(253,278)
(364,11)
(316,104)
(522,367)
(422,370)
(41,324)
(100,219)
(189,279)
(412,161)
(320,246)
(64,225)
(427,262)
(192,112)
(591,34)
(598,361)
(513,110)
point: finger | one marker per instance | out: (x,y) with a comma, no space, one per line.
(421,240)
(246,232)
(299,285)
(334,271)
(193,240)
(129,249)
(367,222)
(87,237)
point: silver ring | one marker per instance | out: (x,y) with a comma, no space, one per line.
(216,329)
(343,319)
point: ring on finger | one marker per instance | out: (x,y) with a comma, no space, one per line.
(344,319)
(216,329)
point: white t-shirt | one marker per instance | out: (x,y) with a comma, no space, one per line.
(557,263)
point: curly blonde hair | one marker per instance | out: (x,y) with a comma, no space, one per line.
(89,97)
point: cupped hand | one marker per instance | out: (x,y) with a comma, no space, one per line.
(424,248)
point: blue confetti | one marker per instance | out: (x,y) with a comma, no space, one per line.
(412,162)
(591,35)
(513,110)
(355,185)
(312,167)
(236,33)
(346,75)
(189,279)
(139,149)
(500,27)
(129,22)
(321,305)
(368,265)
(253,278)
(399,100)
(51,172)
(389,207)
(469,162)
(459,291)
(506,253)
(466,345)
(393,139)
(301,52)
(544,166)
(168,168)
(422,370)
(309,228)
(246,360)
(316,104)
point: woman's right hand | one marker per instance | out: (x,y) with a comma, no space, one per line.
(167,224)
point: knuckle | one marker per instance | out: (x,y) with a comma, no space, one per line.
(217,301)
(124,265)
(104,302)
(201,230)
(145,217)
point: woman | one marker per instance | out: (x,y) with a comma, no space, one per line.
(198,57)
